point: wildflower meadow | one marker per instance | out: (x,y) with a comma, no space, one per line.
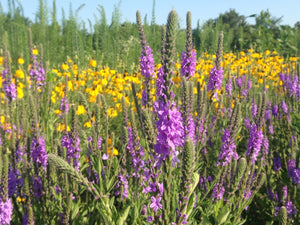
(183,136)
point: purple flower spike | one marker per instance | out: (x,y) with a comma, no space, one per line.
(188,64)
(170,129)
(39,152)
(227,149)
(254,143)
(6,209)
(215,80)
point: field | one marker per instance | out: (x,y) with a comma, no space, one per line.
(191,138)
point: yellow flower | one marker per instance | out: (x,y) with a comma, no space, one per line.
(35,51)
(61,127)
(57,111)
(112,112)
(267,52)
(64,66)
(80,110)
(88,124)
(19,74)
(20,61)
(93,63)
(1,60)
(115,151)
(20,92)
(2,120)
(19,199)
(75,67)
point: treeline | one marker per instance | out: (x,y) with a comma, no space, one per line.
(117,44)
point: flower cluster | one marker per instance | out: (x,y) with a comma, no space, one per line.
(227,149)
(6,209)
(147,63)
(37,72)
(170,129)
(73,149)
(254,143)
(215,80)
(39,152)
(188,64)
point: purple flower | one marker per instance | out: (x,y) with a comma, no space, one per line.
(215,80)
(291,209)
(150,219)
(105,156)
(291,166)
(227,149)
(10,89)
(277,163)
(147,70)
(8,85)
(160,85)
(99,142)
(218,191)
(39,152)
(144,97)
(170,129)
(285,192)
(188,64)
(228,87)
(37,187)
(147,63)
(296,176)
(15,181)
(64,106)
(247,123)
(247,193)
(190,129)
(239,82)
(155,203)
(254,143)
(293,85)
(275,110)
(37,72)
(124,184)
(144,210)
(6,209)
(284,107)
(73,149)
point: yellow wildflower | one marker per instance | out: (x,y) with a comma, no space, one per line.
(88,124)
(93,63)
(20,92)
(112,112)
(115,151)
(64,66)
(80,110)
(20,61)
(35,51)
(2,120)
(19,74)
(61,127)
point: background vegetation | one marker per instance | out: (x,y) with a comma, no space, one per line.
(119,43)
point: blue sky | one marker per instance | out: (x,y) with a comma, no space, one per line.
(201,10)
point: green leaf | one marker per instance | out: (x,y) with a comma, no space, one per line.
(123,216)
(223,215)
(190,205)
(195,180)
(75,210)
(241,222)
